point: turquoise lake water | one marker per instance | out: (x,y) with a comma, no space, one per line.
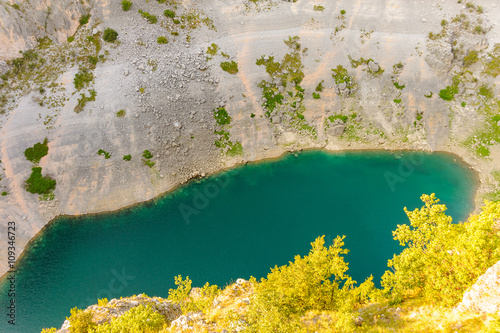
(233,225)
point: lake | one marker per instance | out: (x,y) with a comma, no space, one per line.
(235,224)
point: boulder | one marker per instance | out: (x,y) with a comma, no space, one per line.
(336,129)
(484,295)
(276,120)
(342,86)
(372,66)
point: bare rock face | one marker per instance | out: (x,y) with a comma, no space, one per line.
(484,295)
(25,21)
(440,56)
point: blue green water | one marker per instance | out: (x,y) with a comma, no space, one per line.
(233,225)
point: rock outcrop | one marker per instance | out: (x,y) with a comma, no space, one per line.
(484,295)
(23,22)
(117,307)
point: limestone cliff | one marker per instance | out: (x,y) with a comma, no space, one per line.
(23,22)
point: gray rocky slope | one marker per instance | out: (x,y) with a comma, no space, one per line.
(169,92)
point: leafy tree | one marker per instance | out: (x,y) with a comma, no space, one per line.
(441,259)
(316,282)
(182,296)
(81,321)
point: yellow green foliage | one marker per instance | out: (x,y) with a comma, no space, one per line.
(441,259)
(142,318)
(188,303)
(316,282)
(81,321)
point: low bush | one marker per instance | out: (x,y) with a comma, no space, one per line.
(105,153)
(169,13)
(162,40)
(152,19)
(230,67)
(84,19)
(83,78)
(39,150)
(221,116)
(36,183)
(126,5)
(110,35)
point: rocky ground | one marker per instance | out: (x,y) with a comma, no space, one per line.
(387,99)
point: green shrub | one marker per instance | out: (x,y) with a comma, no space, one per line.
(82,78)
(471,58)
(36,183)
(82,101)
(148,163)
(39,150)
(230,67)
(400,87)
(342,12)
(127,157)
(105,153)
(162,40)
(121,113)
(81,321)
(486,92)
(316,282)
(441,259)
(174,33)
(4,193)
(110,35)
(221,116)
(338,116)
(316,96)
(142,318)
(176,21)
(429,95)
(213,49)
(70,39)
(169,13)
(181,295)
(319,87)
(235,149)
(482,150)
(147,154)
(152,19)
(397,100)
(449,92)
(126,5)
(84,19)
(318,8)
